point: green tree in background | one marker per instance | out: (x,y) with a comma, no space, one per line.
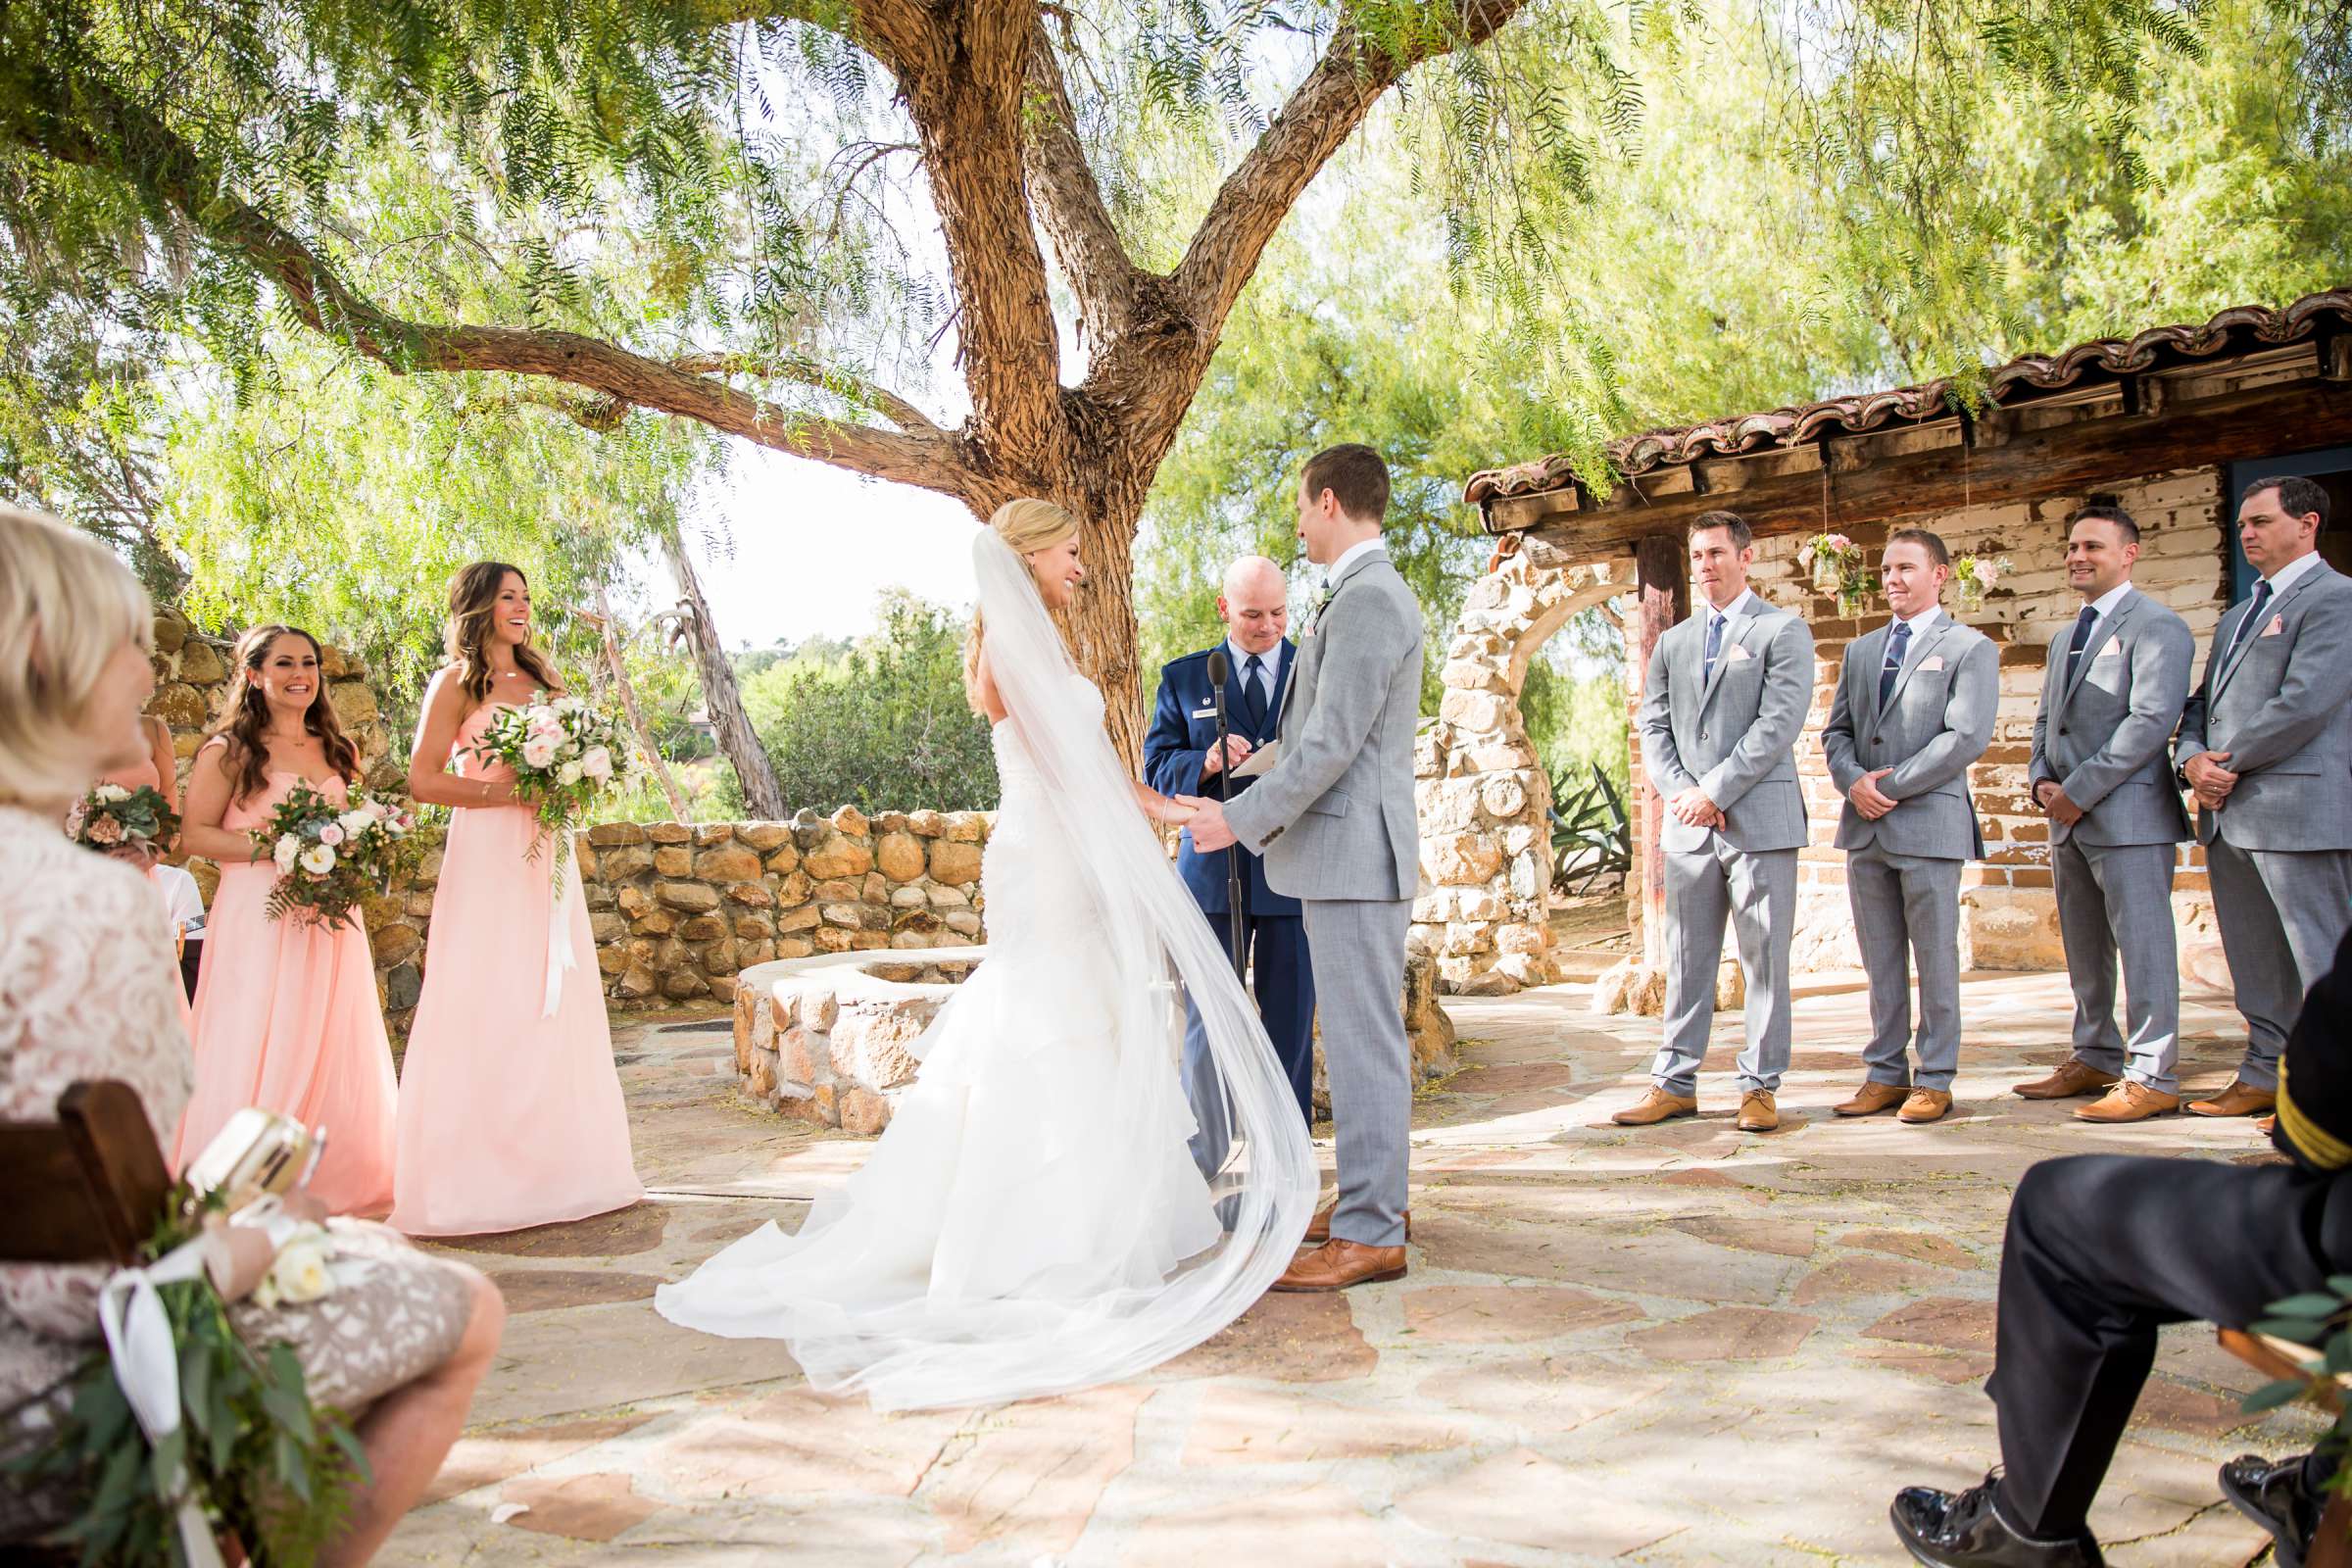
(883,726)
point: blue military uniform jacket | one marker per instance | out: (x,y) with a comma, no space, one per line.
(1184,726)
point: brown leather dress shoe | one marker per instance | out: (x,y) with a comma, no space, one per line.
(1873,1097)
(2241,1099)
(2265,1125)
(1337,1264)
(1318,1229)
(1757,1112)
(1925,1105)
(1656,1107)
(2128,1102)
(2077,1077)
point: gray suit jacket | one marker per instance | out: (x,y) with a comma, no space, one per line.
(2282,707)
(2102,736)
(1334,817)
(1733,734)
(1937,720)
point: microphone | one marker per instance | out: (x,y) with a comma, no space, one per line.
(1219,669)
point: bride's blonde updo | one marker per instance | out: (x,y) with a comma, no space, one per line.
(1026,525)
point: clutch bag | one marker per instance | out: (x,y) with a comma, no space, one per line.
(259,1154)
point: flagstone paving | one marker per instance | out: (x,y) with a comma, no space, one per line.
(1682,1344)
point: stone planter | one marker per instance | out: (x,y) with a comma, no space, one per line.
(825,1039)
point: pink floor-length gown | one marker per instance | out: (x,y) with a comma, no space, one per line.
(286,1018)
(507,1118)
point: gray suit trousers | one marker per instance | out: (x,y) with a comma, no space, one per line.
(1356,948)
(1907,908)
(2115,900)
(1757,892)
(2281,914)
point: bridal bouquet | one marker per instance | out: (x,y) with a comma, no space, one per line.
(109,816)
(565,755)
(330,857)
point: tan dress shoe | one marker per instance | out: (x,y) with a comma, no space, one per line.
(2265,1125)
(2241,1099)
(1656,1107)
(1337,1264)
(1757,1112)
(2128,1102)
(2077,1077)
(1873,1097)
(1318,1229)
(1925,1105)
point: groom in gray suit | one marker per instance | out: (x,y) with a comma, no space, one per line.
(1334,819)
(2266,745)
(2111,696)
(1914,706)
(1721,709)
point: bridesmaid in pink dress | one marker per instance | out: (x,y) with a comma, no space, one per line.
(511,1112)
(286,1010)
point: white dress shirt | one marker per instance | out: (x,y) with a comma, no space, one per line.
(2286,576)
(1339,567)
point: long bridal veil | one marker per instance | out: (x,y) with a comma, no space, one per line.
(1033,1221)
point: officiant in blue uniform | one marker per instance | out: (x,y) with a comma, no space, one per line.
(1181,758)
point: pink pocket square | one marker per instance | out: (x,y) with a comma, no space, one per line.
(1931,661)
(1737,655)
(2277,625)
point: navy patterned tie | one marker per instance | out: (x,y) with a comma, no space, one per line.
(1706,670)
(2073,650)
(1896,644)
(1254,699)
(2237,638)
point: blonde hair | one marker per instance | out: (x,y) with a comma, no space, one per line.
(67,606)
(1025,525)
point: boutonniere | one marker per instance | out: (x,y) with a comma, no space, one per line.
(1314,616)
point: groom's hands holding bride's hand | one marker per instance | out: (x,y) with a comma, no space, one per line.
(1210,831)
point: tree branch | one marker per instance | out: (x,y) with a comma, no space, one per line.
(139,147)
(847,384)
(1070,206)
(1323,113)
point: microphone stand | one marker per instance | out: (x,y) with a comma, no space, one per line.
(1219,669)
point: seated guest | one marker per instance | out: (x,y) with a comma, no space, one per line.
(401,1350)
(2104,1249)
(183,906)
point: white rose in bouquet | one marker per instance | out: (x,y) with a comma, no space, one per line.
(287,849)
(300,1271)
(318,860)
(539,750)
(597,763)
(358,821)
(570,774)
(112,793)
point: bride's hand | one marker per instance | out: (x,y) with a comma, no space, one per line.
(1177,811)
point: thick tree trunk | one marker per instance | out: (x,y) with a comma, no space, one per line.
(763,795)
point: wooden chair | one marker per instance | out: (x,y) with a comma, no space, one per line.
(2285,1359)
(87,1188)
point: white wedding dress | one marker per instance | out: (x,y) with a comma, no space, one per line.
(1032,1220)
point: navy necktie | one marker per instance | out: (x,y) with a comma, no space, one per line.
(1706,670)
(1896,645)
(2262,598)
(2082,640)
(1254,699)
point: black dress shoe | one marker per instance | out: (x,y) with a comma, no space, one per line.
(2274,1497)
(1963,1530)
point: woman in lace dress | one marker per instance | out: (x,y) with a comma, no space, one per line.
(1033,1220)
(86,992)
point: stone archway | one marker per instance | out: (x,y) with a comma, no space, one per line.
(1479,789)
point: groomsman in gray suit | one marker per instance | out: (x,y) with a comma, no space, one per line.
(2111,697)
(1914,706)
(2266,745)
(1721,709)
(1333,816)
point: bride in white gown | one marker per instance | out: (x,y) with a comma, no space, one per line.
(1033,1221)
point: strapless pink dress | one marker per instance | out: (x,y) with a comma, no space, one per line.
(508,1116)
(286,1018)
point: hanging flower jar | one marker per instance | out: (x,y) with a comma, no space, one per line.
(1839,569)
(1974,574)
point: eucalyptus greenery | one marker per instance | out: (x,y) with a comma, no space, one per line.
(264,1464)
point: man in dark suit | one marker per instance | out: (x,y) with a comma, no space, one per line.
(2102,1251)
(1181,758)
